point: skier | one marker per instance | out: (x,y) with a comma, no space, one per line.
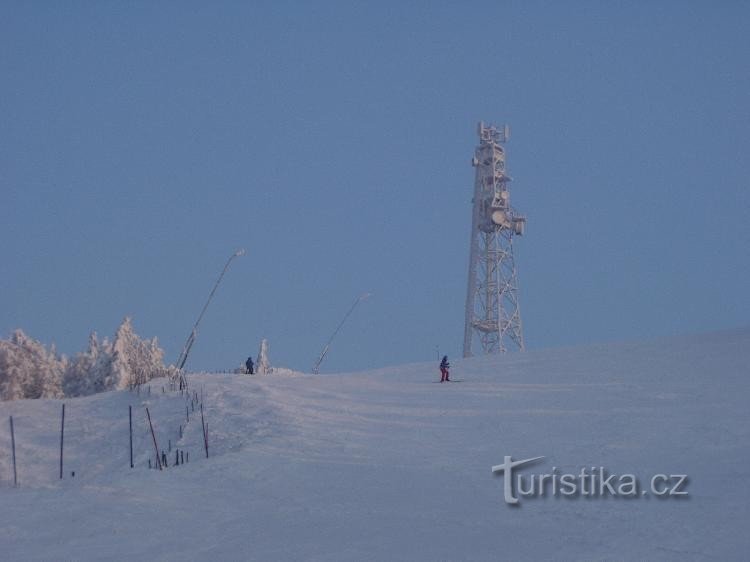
(444,366)
(250,366)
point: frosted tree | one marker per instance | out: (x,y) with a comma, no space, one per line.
(28,369)
(133,360)
(262,365)
(123,363)
(51,370)
(12,375)
(124,357)
(80,376)
(99,374)
(42,369)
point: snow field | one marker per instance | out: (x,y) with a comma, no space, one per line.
(389,465)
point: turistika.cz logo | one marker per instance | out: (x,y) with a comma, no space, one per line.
(594,481)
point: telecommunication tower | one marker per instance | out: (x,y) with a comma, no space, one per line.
(493,316)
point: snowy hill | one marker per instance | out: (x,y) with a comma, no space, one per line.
(388,464)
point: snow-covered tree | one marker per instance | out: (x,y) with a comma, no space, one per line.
(134,361)
(123,363)
(79,378)
(28,369)
(12,372)
(262,365)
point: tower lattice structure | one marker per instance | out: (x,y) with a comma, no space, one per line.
(493,316)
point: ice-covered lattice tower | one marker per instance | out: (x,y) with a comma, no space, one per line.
(493,316)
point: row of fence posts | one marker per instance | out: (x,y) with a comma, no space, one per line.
(180,456)
(161,460)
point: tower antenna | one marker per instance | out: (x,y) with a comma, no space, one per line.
(492,313)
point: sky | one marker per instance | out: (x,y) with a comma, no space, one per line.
(142,143)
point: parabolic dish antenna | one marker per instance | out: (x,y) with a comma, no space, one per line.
(500,218)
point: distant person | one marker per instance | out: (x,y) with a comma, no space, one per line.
(444,366)
(250,366)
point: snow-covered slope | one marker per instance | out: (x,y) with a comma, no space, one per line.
(389,465)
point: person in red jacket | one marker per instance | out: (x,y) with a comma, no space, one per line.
(444,366)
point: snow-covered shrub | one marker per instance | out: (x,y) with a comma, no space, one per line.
(28,369)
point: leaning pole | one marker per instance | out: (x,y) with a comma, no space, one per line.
(316,367)
(194,332)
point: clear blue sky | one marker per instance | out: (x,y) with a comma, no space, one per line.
(142,143)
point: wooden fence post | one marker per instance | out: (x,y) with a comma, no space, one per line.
(13,445)
(156,447)
(62,434)
(130,424)
(205,435)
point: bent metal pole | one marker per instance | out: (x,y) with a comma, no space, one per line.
(316,367)
(194,332)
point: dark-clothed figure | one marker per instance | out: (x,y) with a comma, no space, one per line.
(444,366)
(250,366)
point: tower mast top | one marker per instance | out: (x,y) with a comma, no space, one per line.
(490,133)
